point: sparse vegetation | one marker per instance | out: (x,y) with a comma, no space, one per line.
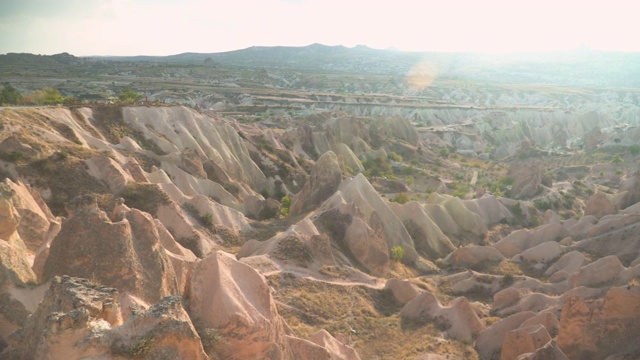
(128,96)
(285,205)
(397,253)
(401,198)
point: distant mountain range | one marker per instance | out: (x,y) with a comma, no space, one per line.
(579,67)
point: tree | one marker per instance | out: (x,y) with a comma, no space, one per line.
(9,95)
(129,96)
(48,96)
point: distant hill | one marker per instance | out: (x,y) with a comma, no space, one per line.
(580,67)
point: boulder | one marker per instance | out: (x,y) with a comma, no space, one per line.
(599,205)
(543,253)
(524,340)
(259,209)
(545,318)
(570,263)
(473,257)
(521,240)
(599,272)
(403,291)
(527,179)
(459,319)
(322,183)
(506,297)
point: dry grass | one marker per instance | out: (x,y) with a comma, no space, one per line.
(366,318)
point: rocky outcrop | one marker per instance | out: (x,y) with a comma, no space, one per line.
(569,263)
(27,219)
(230,296)
(540,254)
(322,183)
(473,257)
(403,291)
(521,240)
(550,351)
(598,272)
(524,340)
(175,129)
(110,172)
(364,237)
(491,209)
(490,340)
(336,349)
(70,306)
(300,245)
(125,254)
(259,209)
(79,319)
(429,240)
(461,225)
(527,179)
(599,205)
(459,319)
(598,328)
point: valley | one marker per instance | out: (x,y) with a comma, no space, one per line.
(322,203)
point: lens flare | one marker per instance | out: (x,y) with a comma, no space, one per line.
(422,75)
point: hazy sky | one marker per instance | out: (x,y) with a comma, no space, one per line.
(164,27)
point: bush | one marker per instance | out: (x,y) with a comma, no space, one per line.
(207,220)
(634,149)
(285,205)
(616,159)
(129,96)
(48,96)
(378,167)
(397,253)
(401,198)
(9,95)
(395,156)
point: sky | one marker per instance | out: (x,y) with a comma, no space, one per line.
(166,27)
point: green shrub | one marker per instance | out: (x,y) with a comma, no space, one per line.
(285,205)
(377,167)
(129,96)
(634,149)
(616,159)
(207,219)
(397,253)
(12,156)
(401,198)
(395,156)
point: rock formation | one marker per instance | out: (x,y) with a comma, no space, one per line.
(125,254)
(323,182)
